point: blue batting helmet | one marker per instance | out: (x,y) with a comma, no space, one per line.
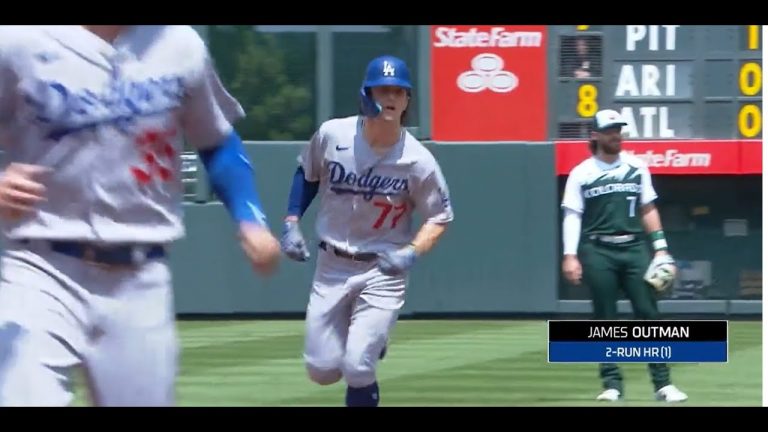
(383,71)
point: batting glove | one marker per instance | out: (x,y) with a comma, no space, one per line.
(397,262)
(661,272)
(292,242)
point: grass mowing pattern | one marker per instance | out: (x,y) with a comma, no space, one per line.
(440,363)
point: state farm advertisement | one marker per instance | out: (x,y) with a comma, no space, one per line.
(489,83)
(676,157)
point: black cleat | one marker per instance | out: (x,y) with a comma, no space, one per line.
(383,353)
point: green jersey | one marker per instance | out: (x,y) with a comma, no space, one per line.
(609,196)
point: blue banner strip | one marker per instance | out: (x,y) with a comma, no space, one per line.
(638,352)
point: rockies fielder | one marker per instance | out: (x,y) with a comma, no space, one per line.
(91,121)
(371,175)
(609,209)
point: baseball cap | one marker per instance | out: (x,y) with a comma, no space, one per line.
(607,119)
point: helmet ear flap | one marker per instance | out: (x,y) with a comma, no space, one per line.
(368,106)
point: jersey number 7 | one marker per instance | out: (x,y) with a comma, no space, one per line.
(386,209)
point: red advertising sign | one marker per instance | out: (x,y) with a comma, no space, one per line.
(676,157)
(752,157)
(489,83)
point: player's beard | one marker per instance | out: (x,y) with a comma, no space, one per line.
(611,146)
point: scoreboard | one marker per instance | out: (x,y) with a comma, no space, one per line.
(669,81)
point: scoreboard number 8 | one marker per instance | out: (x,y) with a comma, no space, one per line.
(587,106)
(750,119)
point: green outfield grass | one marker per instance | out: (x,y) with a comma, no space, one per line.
(439,363)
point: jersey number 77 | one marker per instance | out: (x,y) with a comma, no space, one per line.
(386,209)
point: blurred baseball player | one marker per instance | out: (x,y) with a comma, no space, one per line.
(371,175)
(609,207)
(92,120)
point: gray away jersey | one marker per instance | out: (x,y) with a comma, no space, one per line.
(110,121)
(367,199)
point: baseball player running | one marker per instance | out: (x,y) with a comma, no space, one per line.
(371,174)
(609,206)
(91,121)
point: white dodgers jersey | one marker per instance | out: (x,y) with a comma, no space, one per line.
(110,121)
(367,199)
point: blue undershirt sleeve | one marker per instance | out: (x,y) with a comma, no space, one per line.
(231,176)
(302,193)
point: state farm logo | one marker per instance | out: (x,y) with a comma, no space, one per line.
(487,74)
(673,158)
(450,37)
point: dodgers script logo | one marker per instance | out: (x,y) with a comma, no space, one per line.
(70,110)
(367,185)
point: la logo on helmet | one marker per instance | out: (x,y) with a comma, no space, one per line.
(388,70)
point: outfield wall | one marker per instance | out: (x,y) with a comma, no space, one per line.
(496,257)
(501,255)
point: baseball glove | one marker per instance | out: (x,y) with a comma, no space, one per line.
(661,272)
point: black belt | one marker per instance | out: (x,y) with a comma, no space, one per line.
(362,257)
(108,255)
